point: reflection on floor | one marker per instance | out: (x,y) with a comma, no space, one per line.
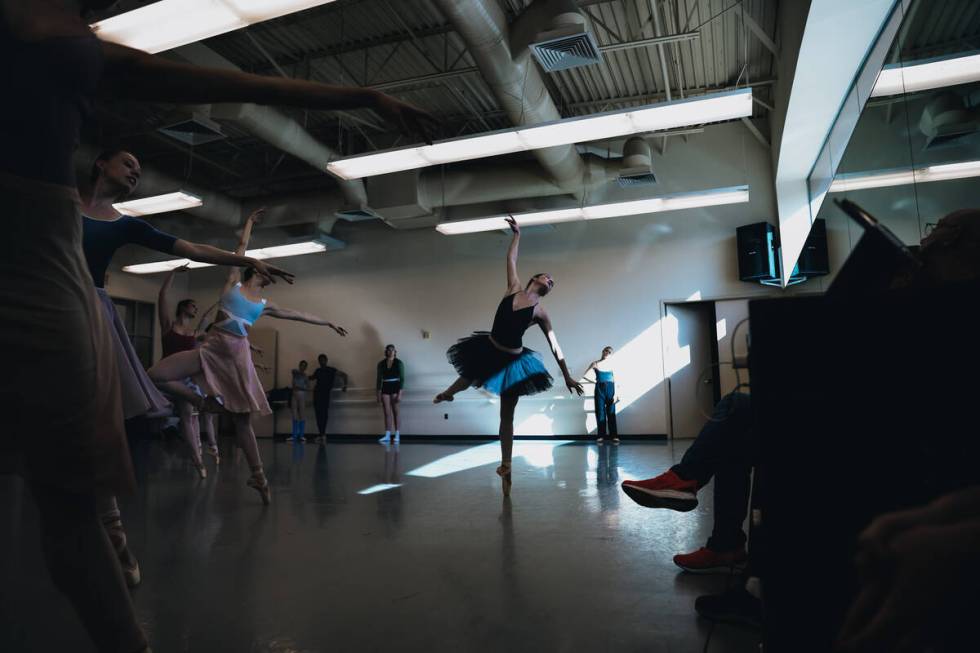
(361,552)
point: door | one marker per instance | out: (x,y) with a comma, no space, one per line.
(690,357)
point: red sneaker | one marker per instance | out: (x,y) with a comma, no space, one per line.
(665,491)
(706,561)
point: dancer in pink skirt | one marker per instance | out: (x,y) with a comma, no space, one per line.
(223,365)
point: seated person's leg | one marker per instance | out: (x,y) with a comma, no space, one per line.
(725,550)
(726,437)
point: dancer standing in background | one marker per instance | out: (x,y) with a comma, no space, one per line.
(499,363)
(605,396)
(389,386)
(324,375)
(297,401)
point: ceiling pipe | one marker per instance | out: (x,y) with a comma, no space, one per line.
(515,81)
(485,181)
(273,127)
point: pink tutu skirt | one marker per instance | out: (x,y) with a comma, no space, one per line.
(228,373)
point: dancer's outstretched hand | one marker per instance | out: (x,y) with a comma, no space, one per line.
(516,228)
(574,386)
(339,329)
(408,119)
(256,216)
(270,272)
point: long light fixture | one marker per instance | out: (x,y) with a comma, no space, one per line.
(170,24)
(655,117)
(277,251)
(936,73)
(176,201)
(714,197)
(901,177)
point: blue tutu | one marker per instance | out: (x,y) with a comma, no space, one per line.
(502,373)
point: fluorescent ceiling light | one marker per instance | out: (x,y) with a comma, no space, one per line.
(176,201)
(170,24)
(665,115)
(715,197)
(926,75)
(294,249)
(278,251)
(887,178)
(380,487)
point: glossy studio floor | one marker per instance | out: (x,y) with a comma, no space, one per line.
(402,548)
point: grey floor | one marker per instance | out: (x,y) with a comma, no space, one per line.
(436,562)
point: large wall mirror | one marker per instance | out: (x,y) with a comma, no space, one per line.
(912,153)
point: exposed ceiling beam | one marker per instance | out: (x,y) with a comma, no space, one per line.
(760,33)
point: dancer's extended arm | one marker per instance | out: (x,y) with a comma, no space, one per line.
(165,311)
(549,332)
(289,314)
(136,75)
(513,281)
(234,274)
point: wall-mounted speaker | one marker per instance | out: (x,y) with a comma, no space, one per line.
(756,256)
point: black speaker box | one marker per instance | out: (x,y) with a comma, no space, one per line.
(756,256)
(813,261)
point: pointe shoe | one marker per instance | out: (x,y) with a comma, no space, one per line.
(213,451)
(442,396)
(505,478)
(127,561)
(261,485)
(201,471)
(131,573)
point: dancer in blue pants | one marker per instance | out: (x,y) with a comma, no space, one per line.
(605,396)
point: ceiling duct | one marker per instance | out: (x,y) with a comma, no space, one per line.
(946,119)
(274,127)
(193,128)
(515,81)
(356,215)
(637,167)
(566,42)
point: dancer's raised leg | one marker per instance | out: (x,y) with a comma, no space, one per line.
(83,565)
(169,372)
(458,385)
(508,404)
(246,440)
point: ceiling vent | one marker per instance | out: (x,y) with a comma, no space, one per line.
(946,119)
(356,215)
(194,129)
(637,169)
(567,44)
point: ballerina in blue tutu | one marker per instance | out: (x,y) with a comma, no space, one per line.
(498,361)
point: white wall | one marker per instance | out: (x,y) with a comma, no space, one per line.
(612,275)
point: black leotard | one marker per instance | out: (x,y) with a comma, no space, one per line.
(509,325)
